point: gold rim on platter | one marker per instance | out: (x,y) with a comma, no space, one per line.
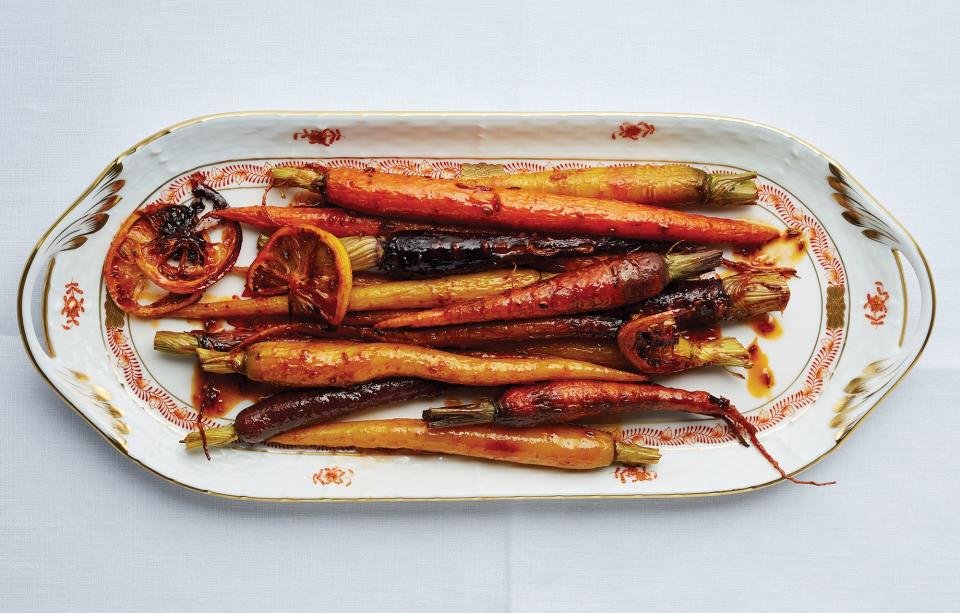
(189,122)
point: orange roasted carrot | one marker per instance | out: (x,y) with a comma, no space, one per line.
(449,200)
(569,447)
(606,285)
(662,185)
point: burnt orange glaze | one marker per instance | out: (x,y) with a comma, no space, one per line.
(703,333)
(760,379)
(306,199)
(218,394)
(456,202)
(567,447)
(784,250)
(766,326)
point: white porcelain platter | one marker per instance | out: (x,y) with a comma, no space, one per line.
(860,314)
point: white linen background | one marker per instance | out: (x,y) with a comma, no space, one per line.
(874,84)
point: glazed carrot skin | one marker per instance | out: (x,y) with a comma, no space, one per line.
(448,200)
(336,221)
(664,185)
(340,364)
(594,350)
(608,284)
(568,401)
(553,336)
(298,408)
(567,447)
(390,295)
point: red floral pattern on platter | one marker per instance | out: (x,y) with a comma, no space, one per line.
(156,397)
(633,474)
(333,475)
(72,305)
(876,305)
(254,174)
(314,136)
(634,131)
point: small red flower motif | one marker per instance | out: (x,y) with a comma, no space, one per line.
(633,474)
(634,131)
(876,305)
(333,475)
(325,137)
(72,305)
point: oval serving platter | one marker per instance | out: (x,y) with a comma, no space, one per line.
(860,314)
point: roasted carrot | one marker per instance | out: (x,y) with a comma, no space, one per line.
(608,284)
(567,401)
(738,296)
(451,201)
(298,408)
(570,401)
(664,185)
(334,220)
(556,330)
(656,340)
(603,352)
(392,295)
(568,447)
(411,254)
(342,363)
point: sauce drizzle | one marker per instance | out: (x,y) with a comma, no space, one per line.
(760,379)
(218,394)
(766,326)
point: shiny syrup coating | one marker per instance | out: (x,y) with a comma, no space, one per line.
(567,401)
(434,253)
(294,409)
(706,299)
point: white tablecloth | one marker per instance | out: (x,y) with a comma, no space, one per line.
(874,84)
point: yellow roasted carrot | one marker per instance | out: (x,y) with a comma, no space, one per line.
(341,363)
(664,185)
(389,295)
(569,447)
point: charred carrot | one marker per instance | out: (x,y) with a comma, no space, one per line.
(560,329)
(608,284)
(298,408)
(432,253)
(451,201)
(664,185)
(568,447)
(343,363)
(392,295)
(656,340)
(738,296)
(567,401)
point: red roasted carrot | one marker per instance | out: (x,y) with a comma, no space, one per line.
(608,284)
(452,201)
(336,221)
